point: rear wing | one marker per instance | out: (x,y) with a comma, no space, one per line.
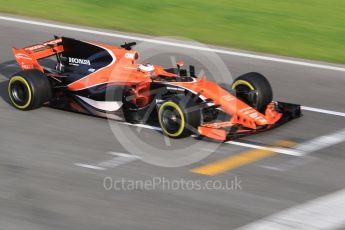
(28,57)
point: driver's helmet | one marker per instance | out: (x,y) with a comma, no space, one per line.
(146,67)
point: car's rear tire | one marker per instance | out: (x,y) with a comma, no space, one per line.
(179,117)
(29,89)
(255,82)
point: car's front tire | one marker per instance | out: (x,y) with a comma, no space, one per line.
(255,82)
(179,117)
(29,89)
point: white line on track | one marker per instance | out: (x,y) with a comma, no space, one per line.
(320,143)
(330,112)
(89,166)
(142,126)
(291,164)
(323,213)
(117,160)
(174,44)
(304,148)
(286,151)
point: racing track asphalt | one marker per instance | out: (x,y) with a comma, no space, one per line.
(42,188)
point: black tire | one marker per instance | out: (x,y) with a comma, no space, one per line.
(29,89)
(179,117)
(255,81)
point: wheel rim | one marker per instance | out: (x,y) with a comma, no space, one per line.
(19,92)
(243,88)
(171,119)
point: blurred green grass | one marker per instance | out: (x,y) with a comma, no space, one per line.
(312,29)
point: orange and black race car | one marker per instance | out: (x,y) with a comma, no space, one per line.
(107,81)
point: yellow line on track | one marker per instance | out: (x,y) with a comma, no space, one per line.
(239,160)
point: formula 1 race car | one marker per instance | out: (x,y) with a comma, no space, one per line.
(106,81)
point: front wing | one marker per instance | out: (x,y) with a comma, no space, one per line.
(225,131)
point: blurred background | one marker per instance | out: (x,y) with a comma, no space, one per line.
(312,29)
